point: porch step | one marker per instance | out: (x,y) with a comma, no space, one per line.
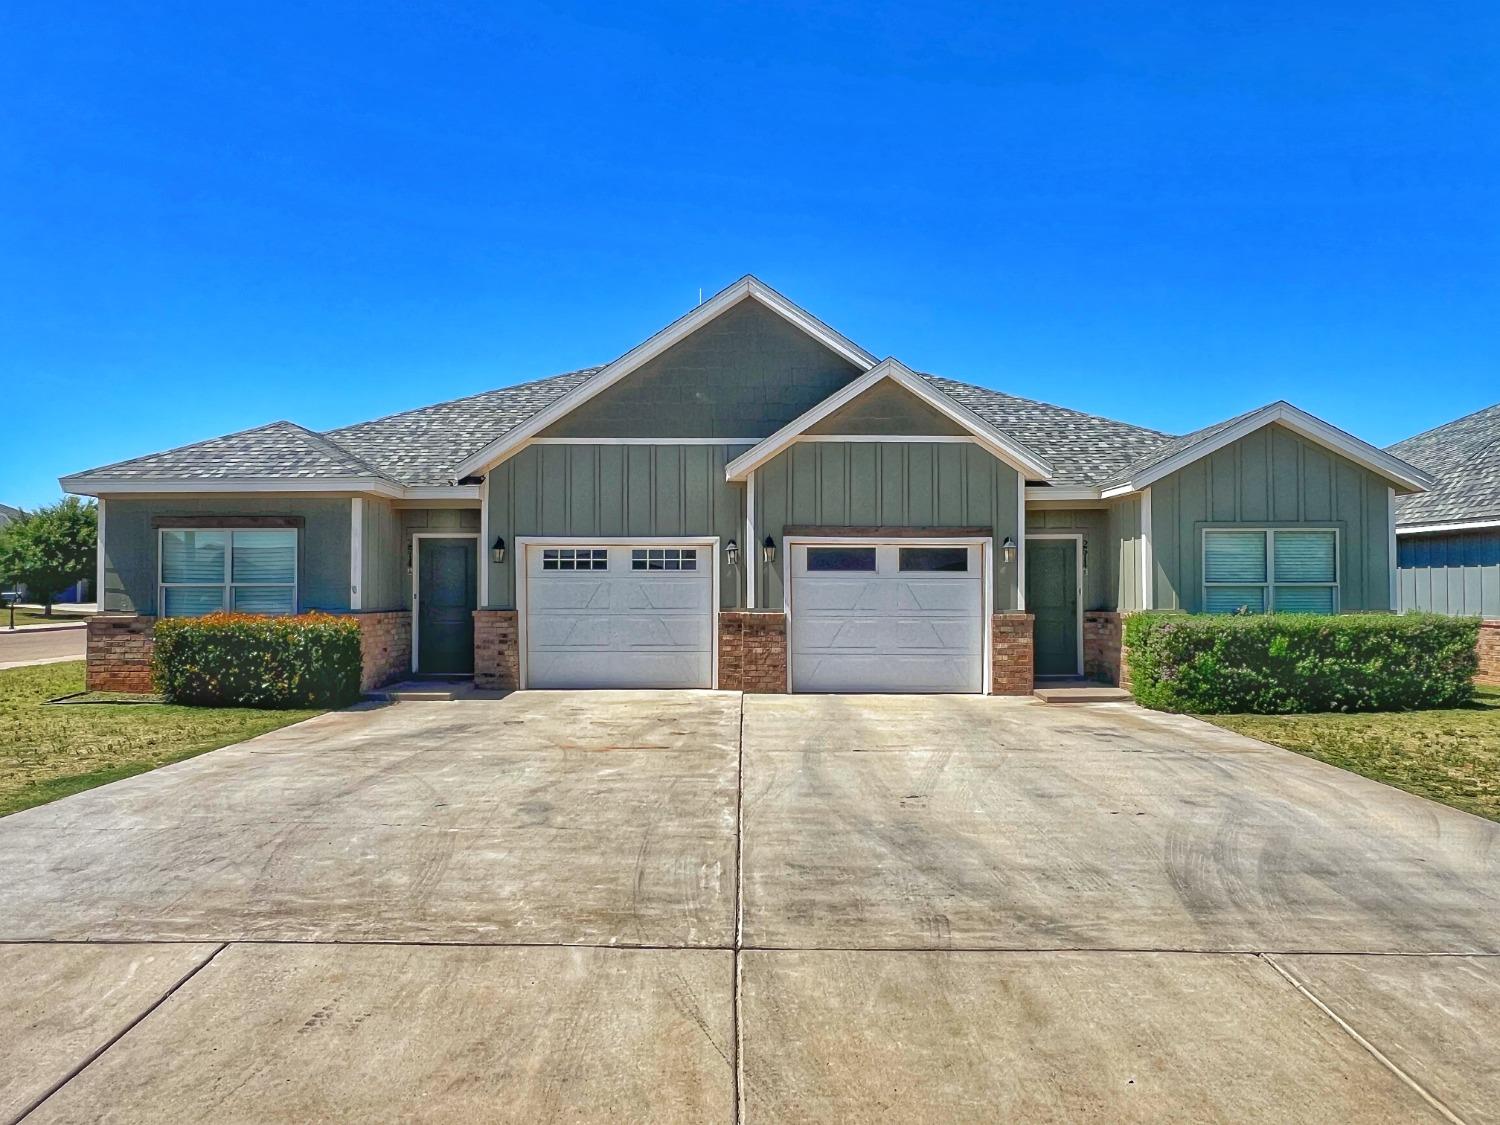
(1080,692)
(424,691)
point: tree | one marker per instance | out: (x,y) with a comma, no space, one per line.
(50,549)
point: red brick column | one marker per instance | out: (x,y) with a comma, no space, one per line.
(384,647)
(497,650)
(1013,664)
(1489,651)
(752,651)
(1104,647)
(118,653)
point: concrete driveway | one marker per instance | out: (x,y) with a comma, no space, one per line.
(696,907)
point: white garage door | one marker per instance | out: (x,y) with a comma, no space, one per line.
(613,616)
(893,617)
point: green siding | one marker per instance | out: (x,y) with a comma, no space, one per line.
(130,548)
(615,490)
(746,373)
(887,408)
(383,560)
(886,484)
(1125,539)
(1094,525)
(1272,478)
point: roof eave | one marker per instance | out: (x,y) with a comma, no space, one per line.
(97,485)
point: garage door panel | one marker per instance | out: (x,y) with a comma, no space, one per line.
(617,627)
(887,629)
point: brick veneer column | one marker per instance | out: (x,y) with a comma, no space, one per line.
(497,652)
(1103,646)
(118,653)
(384,647)
(752,651)
(1012,660)
(1489,651)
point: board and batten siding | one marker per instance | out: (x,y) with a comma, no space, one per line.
(384,563)
(612,491)
(1125,550)
(1456,573)
(130,545)
(884,484)
(1272,478)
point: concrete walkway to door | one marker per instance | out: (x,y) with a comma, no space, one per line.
(693,906)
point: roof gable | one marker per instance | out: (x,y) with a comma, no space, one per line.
(997,443)
(1180,452)
(747,288)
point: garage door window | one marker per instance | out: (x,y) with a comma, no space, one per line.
(948,559)
(664,558)
(574,558)
(841,558)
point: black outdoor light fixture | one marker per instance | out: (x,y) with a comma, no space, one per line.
(1008,551)
(732,553)
(497,552)
(768,551)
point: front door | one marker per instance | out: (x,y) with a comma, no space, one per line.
(447,594)
(1052,600)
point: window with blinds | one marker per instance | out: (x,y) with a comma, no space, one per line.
(205,570)
(1270,570)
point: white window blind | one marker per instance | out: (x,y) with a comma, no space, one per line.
(252,570)
(1282,570)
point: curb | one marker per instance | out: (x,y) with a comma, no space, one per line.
(19,629)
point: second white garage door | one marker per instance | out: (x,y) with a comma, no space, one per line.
(896,617)
(619,616)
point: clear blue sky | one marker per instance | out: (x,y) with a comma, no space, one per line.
(212,216)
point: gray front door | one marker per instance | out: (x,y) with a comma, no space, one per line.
(447,595)
(1052,600)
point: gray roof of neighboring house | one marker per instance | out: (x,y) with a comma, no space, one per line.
(1083,449)
(7,513)
(1464,456)
(422,446)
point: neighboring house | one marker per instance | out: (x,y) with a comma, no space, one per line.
(748,500)
(7,514)
(1449,537)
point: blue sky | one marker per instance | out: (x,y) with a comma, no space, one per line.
(215,216)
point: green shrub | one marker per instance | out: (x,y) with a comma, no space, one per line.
(1283,663)
(241,660)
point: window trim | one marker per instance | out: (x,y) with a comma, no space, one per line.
(228,584)
(1270,584)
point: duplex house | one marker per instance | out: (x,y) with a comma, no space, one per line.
(750,500)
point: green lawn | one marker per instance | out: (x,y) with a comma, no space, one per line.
(1449,756)
(50,752)
(35,617)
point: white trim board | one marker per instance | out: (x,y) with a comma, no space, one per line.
(100,559)
(1027,463)
(356,551)
(1077,538)
(525,542)
(416,581)
(1407,477)
(1435,528)
(747,288)
(643,441)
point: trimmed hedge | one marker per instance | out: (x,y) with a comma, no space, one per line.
(243,660)
(1283,663)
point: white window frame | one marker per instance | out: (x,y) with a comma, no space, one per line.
(1270,583)
(228,584)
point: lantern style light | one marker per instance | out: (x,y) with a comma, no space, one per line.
(768,551)
(1008,551)
(497,552)
(732,553)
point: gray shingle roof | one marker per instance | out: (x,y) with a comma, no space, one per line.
(1464,456)
(1083,449)
(422,446)
(1174,446)
(278,449)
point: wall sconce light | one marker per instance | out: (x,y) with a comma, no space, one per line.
(732,553)
(497,552)
(1008,551)
(768,551)
(408,556)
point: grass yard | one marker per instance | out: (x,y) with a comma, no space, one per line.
(50,752)
(1448,756)
(36,617)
